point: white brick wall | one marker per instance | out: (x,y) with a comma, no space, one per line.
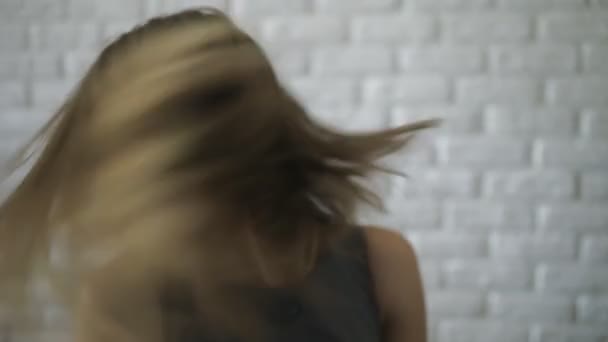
(507,203)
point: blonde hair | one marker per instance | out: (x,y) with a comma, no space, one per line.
(182,156)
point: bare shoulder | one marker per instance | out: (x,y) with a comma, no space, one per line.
(387,241)
(389,249)
(398,284)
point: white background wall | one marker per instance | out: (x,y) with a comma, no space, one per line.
(507,204)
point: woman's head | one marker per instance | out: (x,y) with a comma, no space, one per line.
(181,145)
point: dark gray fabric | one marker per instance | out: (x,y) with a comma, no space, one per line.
(335,304)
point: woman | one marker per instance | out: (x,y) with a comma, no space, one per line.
(191,198)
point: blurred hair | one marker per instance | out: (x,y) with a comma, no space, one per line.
(180,156)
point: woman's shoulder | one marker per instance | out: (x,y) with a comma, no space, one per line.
(397,281)
(390,254)
(387,245)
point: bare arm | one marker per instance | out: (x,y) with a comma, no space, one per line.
(398,284)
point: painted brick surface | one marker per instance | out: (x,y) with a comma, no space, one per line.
(506,204)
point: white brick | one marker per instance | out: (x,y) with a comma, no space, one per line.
(420,152)
(386,186)
(574,27)
(171,6)
(594,124)
(530,121)
(594,58)
(12,93)
(11,4)
(13,37)
(45,66)
(407,214)
(534,59)
(541,4)
(592,309)
(20,122)
(432,328)
(573,154)
(64,36)
(572,278)
(440,183)
(13,66)
(454,304)
(304,30)
(480,275)
(548,246)
(76,63)
(529,184)
(269,7)
(11,9)
(43,10)
(332,92)
(439,205)
(441,245)
(352,60)
(454,59)
(487,216)
(411,90)
(574,217)
(107,9)
(431,274)
(451,5)
(51,94)
(454,119)
(287,62)
(494,90)
(21,66)
(570,333)
(355,6)
(486,27)
(7,151)
(481,331)
(352,119)
(482,152)
(594,185)
(530,307)
(594,248)
(581,91)
(253,26)
(599,3)
(110,31)
(394,28)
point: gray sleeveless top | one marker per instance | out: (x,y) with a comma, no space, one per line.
(344,308)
